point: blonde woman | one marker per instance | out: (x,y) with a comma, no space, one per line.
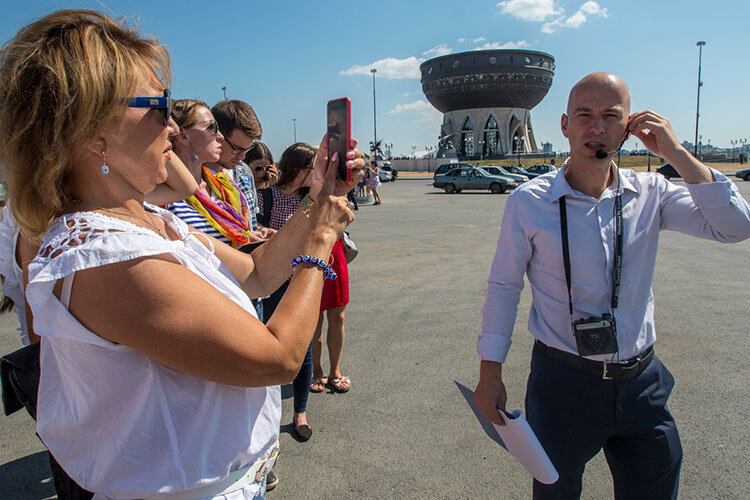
(142,393)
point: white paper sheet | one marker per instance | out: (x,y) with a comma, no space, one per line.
(518,438)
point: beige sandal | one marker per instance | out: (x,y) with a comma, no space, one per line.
(318,384)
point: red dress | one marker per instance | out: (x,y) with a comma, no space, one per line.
(336,292)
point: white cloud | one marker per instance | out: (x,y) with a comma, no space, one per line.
(461,40)
(507,45)
(390,68)
(551,14)
(422,109)
(479,40)
(407,94)
(438,50)
(576,20)
(590,8)
(531,10)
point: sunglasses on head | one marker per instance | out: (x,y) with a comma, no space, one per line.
(164,103)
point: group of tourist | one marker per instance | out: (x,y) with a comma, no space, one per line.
(167,385)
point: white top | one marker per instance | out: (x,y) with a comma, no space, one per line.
(530,242)
(11,271)
(119,423)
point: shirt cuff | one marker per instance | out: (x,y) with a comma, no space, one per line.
(493,347)
(710,195)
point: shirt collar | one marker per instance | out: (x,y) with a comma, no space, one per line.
(560,186)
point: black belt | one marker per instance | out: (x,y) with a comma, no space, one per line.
(607,370)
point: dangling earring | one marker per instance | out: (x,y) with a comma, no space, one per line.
(193,156)
(105,168)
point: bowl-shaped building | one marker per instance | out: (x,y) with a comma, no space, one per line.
(485,97)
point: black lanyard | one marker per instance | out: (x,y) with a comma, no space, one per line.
(617,268)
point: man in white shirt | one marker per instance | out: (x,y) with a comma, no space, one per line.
(602,386)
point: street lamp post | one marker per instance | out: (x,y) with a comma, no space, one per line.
(294,124)
(698,105)
(519,144)
(733,142)
(374,114)
(429,150)
(224,89)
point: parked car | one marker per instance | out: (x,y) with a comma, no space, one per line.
(385,175)
(743,174)
(668,171)
(493,170)
(447,167)
(387,167)
(470,177)
(541,168)
(518,170)
(390,172)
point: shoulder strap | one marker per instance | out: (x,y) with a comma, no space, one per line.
(265,217)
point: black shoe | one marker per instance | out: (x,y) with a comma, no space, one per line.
(303,432)
(271,481)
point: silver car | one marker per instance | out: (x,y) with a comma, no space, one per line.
(462,178)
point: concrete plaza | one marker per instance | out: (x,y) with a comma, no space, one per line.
(417,290)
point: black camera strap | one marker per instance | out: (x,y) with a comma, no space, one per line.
(617,268)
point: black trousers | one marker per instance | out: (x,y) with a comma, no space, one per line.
(576,414)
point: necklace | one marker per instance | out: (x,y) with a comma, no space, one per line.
(150,224)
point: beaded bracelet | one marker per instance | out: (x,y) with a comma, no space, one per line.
(325,267)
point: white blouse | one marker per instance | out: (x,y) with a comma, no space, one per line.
(11,271)
(118,422)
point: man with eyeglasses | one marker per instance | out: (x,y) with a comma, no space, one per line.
(240,127)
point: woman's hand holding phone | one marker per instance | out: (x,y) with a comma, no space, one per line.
(353,162)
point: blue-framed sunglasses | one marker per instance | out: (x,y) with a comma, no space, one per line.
(163,103)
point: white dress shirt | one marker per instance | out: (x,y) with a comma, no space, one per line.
(530,242)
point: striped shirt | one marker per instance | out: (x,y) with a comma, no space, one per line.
(194,219)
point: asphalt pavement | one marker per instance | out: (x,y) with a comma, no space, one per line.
(417,290)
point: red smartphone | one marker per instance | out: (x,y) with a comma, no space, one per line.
(340,133)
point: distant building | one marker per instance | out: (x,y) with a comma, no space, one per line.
(486,97)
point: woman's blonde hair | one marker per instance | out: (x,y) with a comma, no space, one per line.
(63,79)
(185,111)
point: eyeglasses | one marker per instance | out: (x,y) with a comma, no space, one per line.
(212,128)
(261,168)
(163,103)
(236,150)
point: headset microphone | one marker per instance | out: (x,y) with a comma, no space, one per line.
(602,154)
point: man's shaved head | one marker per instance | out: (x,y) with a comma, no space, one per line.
(607,83)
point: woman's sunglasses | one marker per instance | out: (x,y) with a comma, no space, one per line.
(212,127)
(163,103)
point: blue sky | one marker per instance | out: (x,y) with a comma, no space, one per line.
(287,58)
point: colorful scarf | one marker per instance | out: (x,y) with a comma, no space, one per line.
(228,213)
